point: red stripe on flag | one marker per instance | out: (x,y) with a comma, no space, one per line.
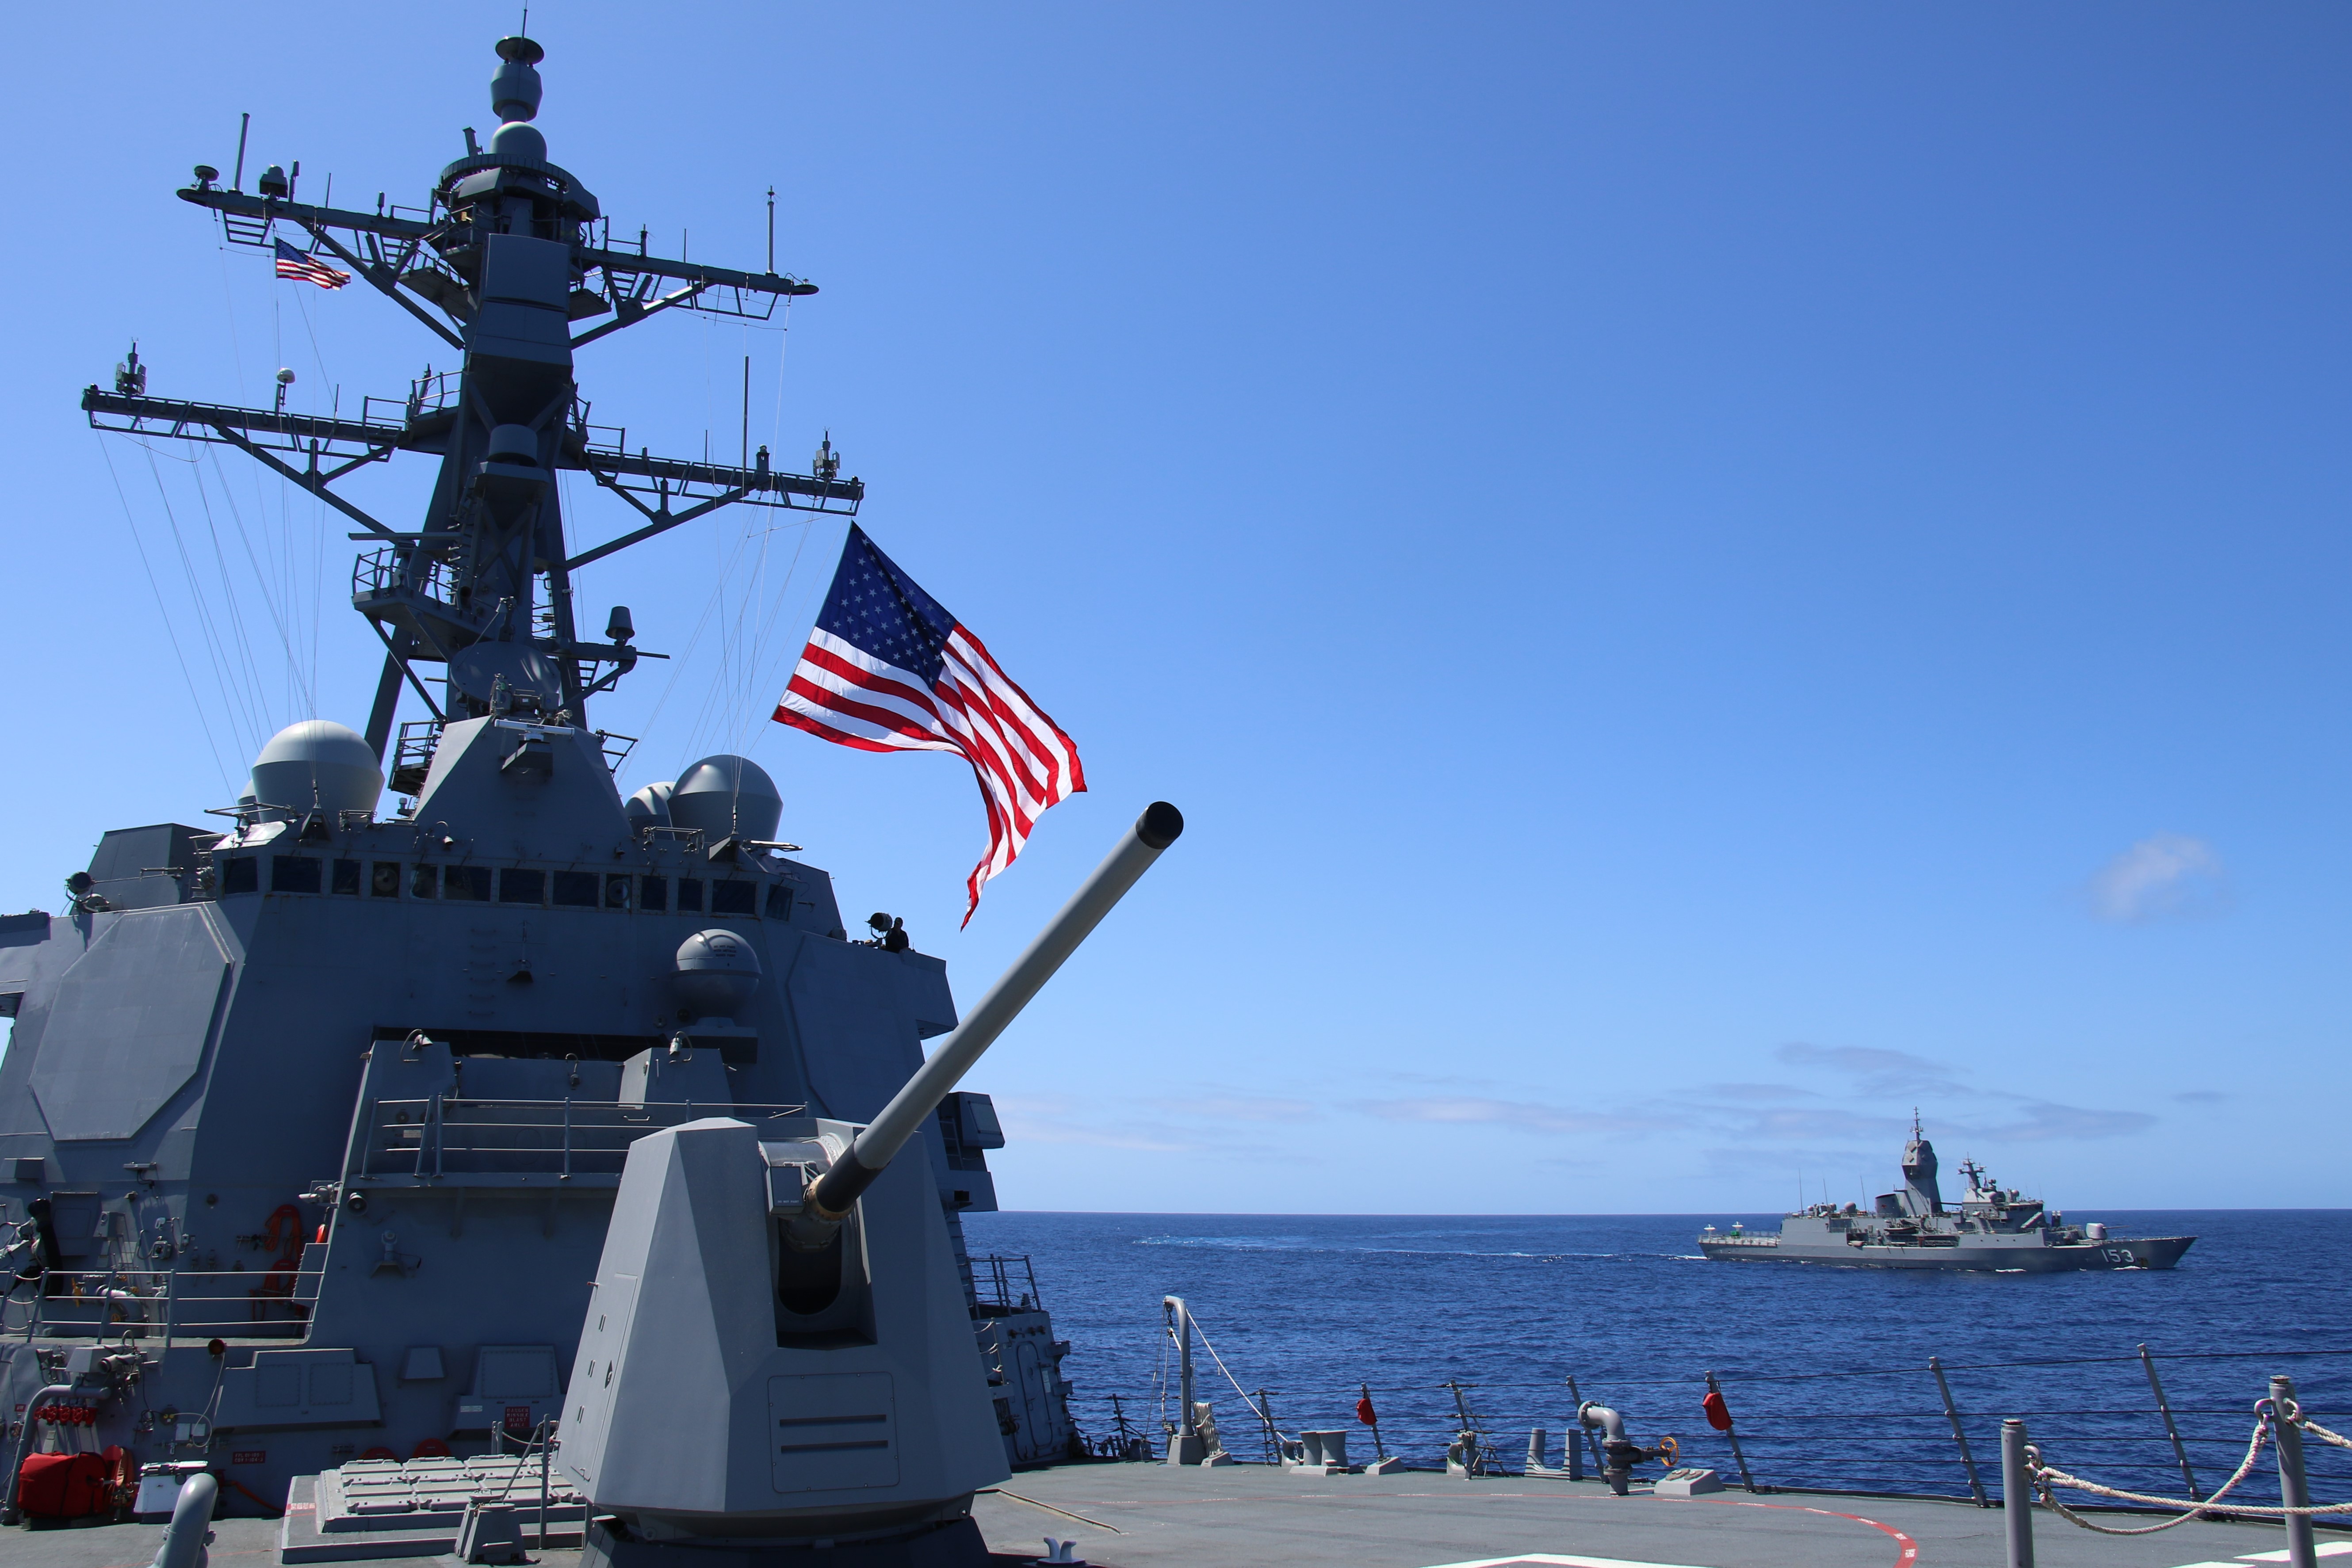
(1022,761)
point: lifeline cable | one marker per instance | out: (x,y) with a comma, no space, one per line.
(2047,1478)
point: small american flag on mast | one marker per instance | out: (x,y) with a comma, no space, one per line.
(308,268)
(889,669)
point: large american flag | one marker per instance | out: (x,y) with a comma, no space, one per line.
(308,268)
(889,669)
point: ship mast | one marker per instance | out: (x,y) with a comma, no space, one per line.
(499,264)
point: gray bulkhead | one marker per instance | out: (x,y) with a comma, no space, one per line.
(181,1075)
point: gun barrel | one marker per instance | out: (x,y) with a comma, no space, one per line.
(831,1194)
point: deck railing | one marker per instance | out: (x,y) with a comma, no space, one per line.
(523,1142)
(140,1304)
(2167,1424)
(1006,1283)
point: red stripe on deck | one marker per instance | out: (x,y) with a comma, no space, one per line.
(1905,1558)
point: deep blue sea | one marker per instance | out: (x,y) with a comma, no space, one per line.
(1826,1370)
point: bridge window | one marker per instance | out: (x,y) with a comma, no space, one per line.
(653,894)
(293,873)
(241,874)
(383,880)
(732,897)
(468,882)
(426,882)
(519,886)
(577,889)
(347,878)
(616,892)
(689,895)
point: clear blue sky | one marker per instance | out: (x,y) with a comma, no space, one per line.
(1702,574)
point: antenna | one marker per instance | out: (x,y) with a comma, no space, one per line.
(668,498)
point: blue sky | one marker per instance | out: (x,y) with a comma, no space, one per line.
(1702,574)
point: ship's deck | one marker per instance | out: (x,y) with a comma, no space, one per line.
(1248,1514)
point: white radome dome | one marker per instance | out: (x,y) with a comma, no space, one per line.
(317,765)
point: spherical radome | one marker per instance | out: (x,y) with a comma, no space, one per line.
(727,796)
(717,973)
(649,806)
(317,765)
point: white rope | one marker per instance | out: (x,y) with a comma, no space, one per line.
(2047,1476)
(2318,1431)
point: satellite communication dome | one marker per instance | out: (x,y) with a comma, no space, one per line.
(317,765)
(518,140)
(649,806)
(727,797)
(717,973)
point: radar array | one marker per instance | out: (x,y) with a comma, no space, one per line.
(508,254)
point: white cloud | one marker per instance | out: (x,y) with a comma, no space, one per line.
(2039,1120)
(1052,1119)
(1876,1069)
(2163,875)
(1806,1123)
(1242,1107)
(1528,1116)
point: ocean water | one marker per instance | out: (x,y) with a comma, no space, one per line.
(1825,1370)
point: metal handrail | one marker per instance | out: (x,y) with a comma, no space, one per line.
(1809,1431)
(1000,1266)
(441,1135)
(156,1303)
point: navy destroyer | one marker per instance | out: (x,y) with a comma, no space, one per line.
(1995,1227)
(313,1116)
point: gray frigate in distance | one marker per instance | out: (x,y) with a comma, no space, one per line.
(313,1117)
(1994,1228)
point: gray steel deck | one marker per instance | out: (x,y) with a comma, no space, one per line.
(1247,1514)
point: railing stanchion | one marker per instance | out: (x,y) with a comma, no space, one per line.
(1959,1434)
(2016,1494)
(2294,1490)
(2164,1408)
(1732,1432)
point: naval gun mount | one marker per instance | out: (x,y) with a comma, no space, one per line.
(776,1365)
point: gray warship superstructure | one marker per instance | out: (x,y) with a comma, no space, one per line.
(312,1120)
(1995,1227)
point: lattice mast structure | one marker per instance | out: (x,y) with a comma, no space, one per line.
(504,263)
